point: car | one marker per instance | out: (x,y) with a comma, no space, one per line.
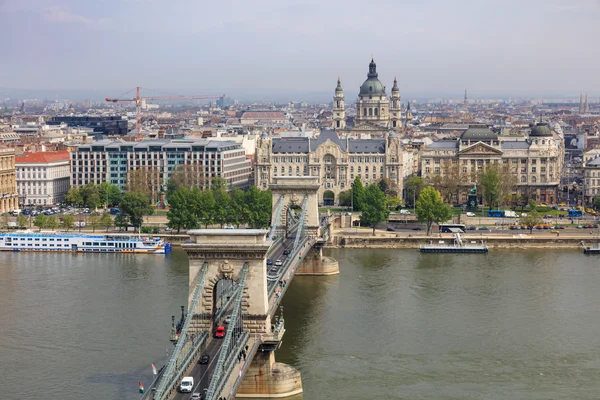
(484,228)
(472,228)
(561,227)
(544,226)
(220,332)
(390,229)
(228,319)
(279,263)
(554,231)
(187,384)
(269,261)
(538,227)
(543,205)
(204,359)
(196,396)
(416,228)
(286,252)
(470,214)
(404,212)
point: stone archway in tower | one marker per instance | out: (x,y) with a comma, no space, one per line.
(328,198)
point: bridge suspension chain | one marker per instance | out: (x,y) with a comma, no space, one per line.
(300,231)
(277,217)
(171,373)
(219,374)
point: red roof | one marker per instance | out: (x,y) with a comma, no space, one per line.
(43,157)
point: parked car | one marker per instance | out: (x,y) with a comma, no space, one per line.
(472,228)
(416,228)
(470,214)
(390,229)
(484,228)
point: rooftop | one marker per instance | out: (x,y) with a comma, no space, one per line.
(43,157)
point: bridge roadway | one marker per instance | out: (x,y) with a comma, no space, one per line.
(203,372)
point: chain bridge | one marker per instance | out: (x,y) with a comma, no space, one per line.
(237,279)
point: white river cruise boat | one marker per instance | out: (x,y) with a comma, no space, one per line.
(82,243)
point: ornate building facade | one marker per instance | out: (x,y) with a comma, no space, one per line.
(337,162)
(375,112)
(8,181)
(535,163)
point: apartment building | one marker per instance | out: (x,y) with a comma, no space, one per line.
(8,182)
(114,161)
(43,178)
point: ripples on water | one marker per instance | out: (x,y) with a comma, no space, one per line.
(402,325)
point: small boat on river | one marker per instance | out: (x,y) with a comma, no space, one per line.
(456,246)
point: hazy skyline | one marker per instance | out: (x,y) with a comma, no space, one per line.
(500,47)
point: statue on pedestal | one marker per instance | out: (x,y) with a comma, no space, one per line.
(472,199)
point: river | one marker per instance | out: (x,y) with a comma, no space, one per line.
(394,324)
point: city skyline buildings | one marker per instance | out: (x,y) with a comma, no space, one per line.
(298,49)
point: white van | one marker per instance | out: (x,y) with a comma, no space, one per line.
(187,384)
(16,212)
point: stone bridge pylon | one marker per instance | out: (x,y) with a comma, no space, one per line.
(289,191)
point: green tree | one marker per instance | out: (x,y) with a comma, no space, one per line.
(374,207)
(106,221)
(68,222)
(91,195)
(52,222)
(40,221)
(218,184)
(4,221)
(392,202)
(121,221)
(491,183)
(203,204)
(358,194)
(107,190)
(181,213)
(345,198)
(22,221)
(412,189)
(74,196)
(135,206)
(238,207)
(430,208)
(531,220)
(93,221)
(596,203)
(222,209)
(186,176)
(259,207)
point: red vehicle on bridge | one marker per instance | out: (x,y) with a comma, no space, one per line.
(220,332)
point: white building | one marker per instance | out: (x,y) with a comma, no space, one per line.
(43,178)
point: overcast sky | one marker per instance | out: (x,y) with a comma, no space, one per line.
(194,46)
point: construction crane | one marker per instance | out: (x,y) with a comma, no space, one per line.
(138,105)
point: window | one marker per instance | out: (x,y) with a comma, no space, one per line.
(533,179)
(523,179)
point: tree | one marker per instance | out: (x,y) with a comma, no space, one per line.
(412,189)
(448,180)
(345,198)
(91,195)
(358,194)
(596,203)
(107,190)
(221,211)
(238,207)
(5,220)
(68,222)
(392,202)
(52,222)
(135,205)
(22,221)
(181,213)
(40,221)
(186,176)
(93,221)
(374,207)
(430,208)
(259,205)
(106,221)
(498,184)
(146,180)
(532,219)
(121,221)
(74,196)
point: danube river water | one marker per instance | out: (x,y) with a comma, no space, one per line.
(394,324)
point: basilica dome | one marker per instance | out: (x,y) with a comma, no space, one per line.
(372,86)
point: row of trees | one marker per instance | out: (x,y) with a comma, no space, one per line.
(66,222)
(496,182)
(92,195)
(191,208)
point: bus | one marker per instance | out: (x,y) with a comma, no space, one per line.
(452,228)
(496,213)
(575,213)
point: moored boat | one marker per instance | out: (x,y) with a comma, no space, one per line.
(82,243)
(457,246)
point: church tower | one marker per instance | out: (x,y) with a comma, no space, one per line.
(372,107)
(580,103)
(409,116)
(395,109)
(586,107)
(339,113)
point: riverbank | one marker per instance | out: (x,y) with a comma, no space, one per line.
(408,241)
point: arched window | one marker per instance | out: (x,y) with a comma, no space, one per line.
(365,112)
(275,171)
(359,169)
(375,112)
(523,179)
(338,104)
(533,179)
(370,112)
(395,103)
(337,124)
(351,169)
(297,171)
(290,171)
(394,124)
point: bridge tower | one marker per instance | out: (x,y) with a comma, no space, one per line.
(290,191)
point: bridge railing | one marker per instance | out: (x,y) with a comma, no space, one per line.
(277,217)
(216,381)
(251,352)
(176,365)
